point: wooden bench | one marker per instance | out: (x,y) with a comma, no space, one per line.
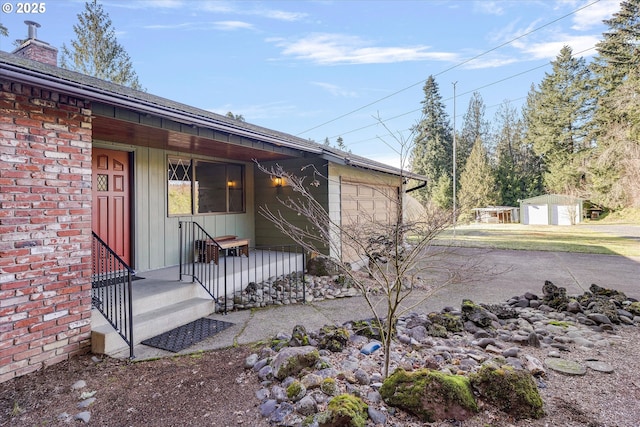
(209,250)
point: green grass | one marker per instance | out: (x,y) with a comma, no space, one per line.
(623,216)
(538,238)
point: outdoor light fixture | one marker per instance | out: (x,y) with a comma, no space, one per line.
(277,181)
(229,183)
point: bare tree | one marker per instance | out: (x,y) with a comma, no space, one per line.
(398,253)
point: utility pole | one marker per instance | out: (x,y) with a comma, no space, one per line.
(454,158)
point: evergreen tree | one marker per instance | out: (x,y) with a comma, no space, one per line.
(432,153)
(615,164)
(474,127)
(442,192)
(96,52)
(517,167)
(341,145)
(617,52)
(238,117)
(558,115)
(477,183)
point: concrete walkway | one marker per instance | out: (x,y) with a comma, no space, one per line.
(495,276)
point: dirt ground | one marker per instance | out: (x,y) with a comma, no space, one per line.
(201,389)
(214,389)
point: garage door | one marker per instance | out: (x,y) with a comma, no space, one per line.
(564,215)
(537,214)
(363,203)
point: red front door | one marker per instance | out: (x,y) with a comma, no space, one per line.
(110,214)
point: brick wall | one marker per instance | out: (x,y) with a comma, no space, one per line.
(45,228)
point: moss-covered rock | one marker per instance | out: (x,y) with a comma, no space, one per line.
(322,266)
(554,296)
(329,386)
(299,336)
(634,308)
(430,395)
(369,328)
(333,338)
(296,391)
(278,344)
(512,391)
(344,410)
(608,293)
(291,360)
(438,331)
(603,305)
(476,314)
(451,322)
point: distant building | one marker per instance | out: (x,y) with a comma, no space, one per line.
(497,214)
(551,209)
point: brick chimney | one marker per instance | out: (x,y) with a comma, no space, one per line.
(37,50)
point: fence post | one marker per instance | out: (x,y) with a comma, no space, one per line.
(180,243)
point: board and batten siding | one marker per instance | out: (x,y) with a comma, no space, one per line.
(267,194)
(328,194)
(156,234)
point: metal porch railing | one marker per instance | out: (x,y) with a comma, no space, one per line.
(233,281)
(111,289)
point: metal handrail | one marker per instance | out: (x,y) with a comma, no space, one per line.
(190,251)
(229,279)
(111,292)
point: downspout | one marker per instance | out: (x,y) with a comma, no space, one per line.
(424,184)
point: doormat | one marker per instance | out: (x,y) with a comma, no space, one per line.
(187,335)
(117,280)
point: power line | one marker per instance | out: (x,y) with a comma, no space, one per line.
(450,68)
(448,99)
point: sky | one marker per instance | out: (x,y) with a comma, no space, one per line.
(322,69)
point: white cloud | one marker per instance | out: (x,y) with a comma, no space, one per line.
(213,6)
(593,15)
(203,26)
(281,15)
(580,45)
(336,90)
(232,25)
(328,49)
(488,7)
(489,62)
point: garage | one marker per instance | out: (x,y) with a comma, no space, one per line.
(551,209)
(363,204)
(537,214)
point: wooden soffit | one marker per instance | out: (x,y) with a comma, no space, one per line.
(186,139)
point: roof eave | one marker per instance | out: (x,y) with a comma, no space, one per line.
(96,94)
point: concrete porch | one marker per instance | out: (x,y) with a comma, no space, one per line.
(162,302)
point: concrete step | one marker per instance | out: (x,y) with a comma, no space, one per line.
(149,298)
(105,340)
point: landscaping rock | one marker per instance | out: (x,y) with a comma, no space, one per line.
(461,342)
(430,395)
(291,360)
(512,391)
(599,366)
(333,338)
(344,410)
(554,296)
(565,366)
(477,314)
(299,337)
(322,266)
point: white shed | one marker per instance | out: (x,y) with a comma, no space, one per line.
(551,209)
